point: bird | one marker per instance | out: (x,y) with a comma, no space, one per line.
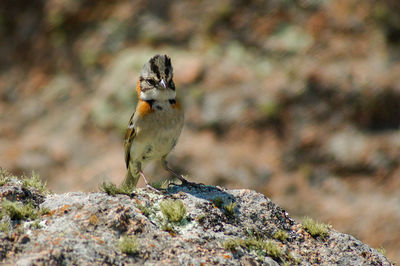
(156,123)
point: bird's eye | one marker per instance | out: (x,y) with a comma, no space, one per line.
(152,82)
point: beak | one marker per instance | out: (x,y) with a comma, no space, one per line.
(162,82)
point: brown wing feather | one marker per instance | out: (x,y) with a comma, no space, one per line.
(129,136)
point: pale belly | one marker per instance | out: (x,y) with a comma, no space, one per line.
(153,148)
(157,135)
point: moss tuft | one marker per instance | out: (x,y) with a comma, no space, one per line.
(112,190)
(382,250)
(173,210)
(34,182)
(269,247)
(146,211)
(44,211)
(168,228)
(128,245)
(5,177)
(230,209)
(281,235)
(315,228)
(5,227)
(19,211)
(200,218)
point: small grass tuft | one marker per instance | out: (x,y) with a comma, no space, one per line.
(19,211)
(5,227)
(315,228)
(128,245)
(200,218)
(5,177)
(382,250)
(281,235)
(44,211)
(168,228)
(35,225)
(230,209)
(218,202)
(268,247)
(35,182)
(173,210)
(146,211)
(112,190)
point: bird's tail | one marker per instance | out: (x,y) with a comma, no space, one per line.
(131,178)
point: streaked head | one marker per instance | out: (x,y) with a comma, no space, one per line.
(156,79)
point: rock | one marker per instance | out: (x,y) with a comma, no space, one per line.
(219,226)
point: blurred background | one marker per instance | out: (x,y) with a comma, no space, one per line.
(299,100)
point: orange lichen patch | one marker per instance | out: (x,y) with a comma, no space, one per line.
(49,214)
(64,209)
(226,256)
(98,239)
(56,241)
(144,108)
(78,216)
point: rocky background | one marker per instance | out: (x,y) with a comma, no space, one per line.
(299,100)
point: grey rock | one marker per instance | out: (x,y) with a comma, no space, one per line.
(85,229)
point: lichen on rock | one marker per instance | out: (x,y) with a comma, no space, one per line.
(97,228)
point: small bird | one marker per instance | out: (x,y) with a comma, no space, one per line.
(157,122)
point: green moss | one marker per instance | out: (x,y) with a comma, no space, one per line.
(19,211)
(200,218)
(36,225)
(128,245)
(35,182)
(218,202)
(5,177)
(113,190)
(268,247)
(382,250)
(281,235)
(230,209)
(44,211)
(316,229)
(173,210)
(168,227)
(146,211)
(5,227)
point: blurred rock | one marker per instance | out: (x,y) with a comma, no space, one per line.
(31,159)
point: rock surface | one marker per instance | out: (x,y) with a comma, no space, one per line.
(220,226)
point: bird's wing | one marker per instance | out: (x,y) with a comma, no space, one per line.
(129,136)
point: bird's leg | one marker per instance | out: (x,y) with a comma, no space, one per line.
(164,164)
(145,179)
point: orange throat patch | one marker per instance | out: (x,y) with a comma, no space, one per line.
(144,108)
